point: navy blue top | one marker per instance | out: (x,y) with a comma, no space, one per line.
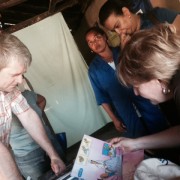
(162,15)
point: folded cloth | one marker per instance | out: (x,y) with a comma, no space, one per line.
(153,169)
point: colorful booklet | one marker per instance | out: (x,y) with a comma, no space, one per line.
(97,159)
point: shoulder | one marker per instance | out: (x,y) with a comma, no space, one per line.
(164,14)
(14,95)
(95,64)
(157,15)
(18,101)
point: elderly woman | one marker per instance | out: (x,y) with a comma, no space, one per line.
(150,63)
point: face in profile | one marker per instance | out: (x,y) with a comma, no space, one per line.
(122,24)
(96,42)
(11,76)
(151,90)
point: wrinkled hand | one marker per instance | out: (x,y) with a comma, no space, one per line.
(57,165)
(126,144)
(119,126)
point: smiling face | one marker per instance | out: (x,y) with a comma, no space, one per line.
(151,90)
(96,42)
(11,76)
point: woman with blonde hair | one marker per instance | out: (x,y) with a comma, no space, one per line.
(150,62)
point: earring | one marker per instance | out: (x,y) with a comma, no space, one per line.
(92,51)
(166,91)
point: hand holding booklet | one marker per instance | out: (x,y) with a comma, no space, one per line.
(97,159)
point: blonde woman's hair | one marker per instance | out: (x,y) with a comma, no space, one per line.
(12,49)
(150,54)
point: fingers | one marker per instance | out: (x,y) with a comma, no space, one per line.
(56,169)
(124,39)
(124,127)
(57,166)
(118,142)
(115,140)
(121,129)
(120,126)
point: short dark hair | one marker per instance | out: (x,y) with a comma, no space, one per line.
(113,6)
(95,29)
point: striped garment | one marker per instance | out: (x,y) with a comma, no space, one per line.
(10,102)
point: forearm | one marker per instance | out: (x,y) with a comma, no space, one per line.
(117,122)
(35,128)
(109,111)
(8,168)
(165,139)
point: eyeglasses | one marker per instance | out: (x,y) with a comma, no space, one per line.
(97,37)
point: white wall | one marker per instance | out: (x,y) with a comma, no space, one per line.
(59,73)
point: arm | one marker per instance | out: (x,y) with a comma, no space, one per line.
(170,16)
(33,125)
(102,96)
(176,23)
(117,123)
(125,38)
(165,139)
(8,168)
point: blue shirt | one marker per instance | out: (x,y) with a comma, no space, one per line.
(107,89)
(161,14)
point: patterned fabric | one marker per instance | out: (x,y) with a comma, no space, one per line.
(10,102)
